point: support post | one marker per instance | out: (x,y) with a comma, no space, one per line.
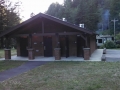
(86,42)
(31,55)
(7,50)
(30,41)
(57,54)
(7,54)
(2,45)
(6,43)
(86,53)
(42,27)
(57,40)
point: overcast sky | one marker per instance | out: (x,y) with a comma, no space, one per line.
(35,6)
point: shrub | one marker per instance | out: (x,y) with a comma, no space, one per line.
(117,46)
(110,44)
(102,46)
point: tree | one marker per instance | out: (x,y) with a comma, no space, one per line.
(9,16)
(76,12)
(32,14)
(56,10)
(118,36)
(115,13)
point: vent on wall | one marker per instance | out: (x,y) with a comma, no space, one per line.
(64,19)
(81,25)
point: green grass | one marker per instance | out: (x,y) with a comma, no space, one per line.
(5,65)
(13,52)
(68,76)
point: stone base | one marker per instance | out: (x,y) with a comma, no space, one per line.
(7,54)
(31,55)
(57,54)
(86,53)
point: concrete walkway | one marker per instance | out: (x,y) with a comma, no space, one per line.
(96,56)
(112,55)
(19,70)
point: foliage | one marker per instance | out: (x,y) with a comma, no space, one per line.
(55,9)
(77,12)
(115,13)
(117,46)
(89,12)
(9,15)
(109,45)
(102,46)
(107,32)
(118,36)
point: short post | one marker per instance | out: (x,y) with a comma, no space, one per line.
(31,54)
(57,54)
(86,53)
(7,54)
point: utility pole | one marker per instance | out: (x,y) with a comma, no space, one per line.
(114,21)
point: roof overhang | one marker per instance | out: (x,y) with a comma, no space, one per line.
(40,15)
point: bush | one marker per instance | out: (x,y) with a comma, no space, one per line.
(109,45)
(117,46)
(102,46)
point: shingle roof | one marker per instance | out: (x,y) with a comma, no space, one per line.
(6,32)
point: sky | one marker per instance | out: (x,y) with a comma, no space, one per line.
(35,6)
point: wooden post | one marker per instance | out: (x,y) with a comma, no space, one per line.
(42,27)
(57,54)
(18,46)
(30,49)
(86,42)
(30,41)
(2,45)
(7,54)
(31,54)
(86,53)
(6,43)
(57,40)
(7,50)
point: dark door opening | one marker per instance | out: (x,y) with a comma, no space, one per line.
(67,47)
(80,46)
(64,45)
(23,46)
(48,47)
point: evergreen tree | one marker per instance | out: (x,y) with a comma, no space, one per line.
(9,16)
(115,14)
(76,12)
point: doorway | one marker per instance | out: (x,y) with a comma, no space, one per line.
(23,46)
(64,45)
(80,46)
(48,46)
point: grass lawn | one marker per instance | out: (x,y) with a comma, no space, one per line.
(68,76)
(5,65)
(13,52)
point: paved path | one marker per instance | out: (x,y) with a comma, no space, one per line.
(112,55)
(97,54)
(19,70)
